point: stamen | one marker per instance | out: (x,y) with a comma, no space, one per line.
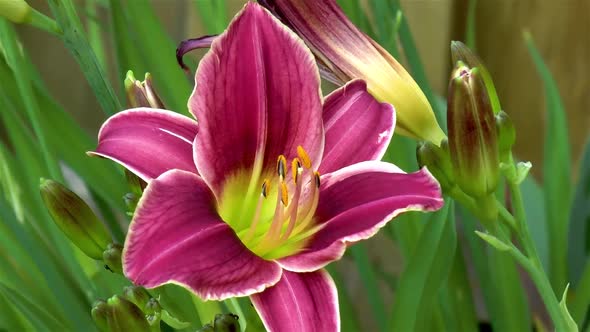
(303,156)
(281,162)
(265,187)
(284,194)
(295,166)
(313,206)
(293,208)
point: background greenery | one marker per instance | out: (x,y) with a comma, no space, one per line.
(56,92)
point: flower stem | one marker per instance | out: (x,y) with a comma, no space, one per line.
(40,21)
(531,262)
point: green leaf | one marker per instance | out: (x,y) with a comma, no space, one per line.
(493,241)
(501,286)
(426,272)
(581,302)
(158,52)
(556,171)
(579,230)
(370,283)
(39,318)
(571,324)
(213,15)
(173,321)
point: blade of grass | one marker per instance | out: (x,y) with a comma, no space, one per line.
(470,28)
(579,231)
(502,291)
(581,302)
(425,273)
(39,318)
(74,39)
(158,51)
(370,283)
(14,60)
(556,171)
(213,15)
(416,68)
(348,318)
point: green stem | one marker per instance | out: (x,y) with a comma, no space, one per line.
(531,262)
(40,21)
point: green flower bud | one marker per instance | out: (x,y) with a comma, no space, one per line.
(142,94)
(472,133)
(125,316)
(75,218)
(112,257)
(226,323)
(461,53)
(506,135)
(100,312)
(206,328)
(438,161)
(138,295)
(17,11)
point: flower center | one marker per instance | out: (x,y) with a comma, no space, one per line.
(279,221)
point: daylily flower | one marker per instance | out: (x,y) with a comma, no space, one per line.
(269,187)
(348,53)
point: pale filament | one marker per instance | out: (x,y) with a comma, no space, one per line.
(289,217)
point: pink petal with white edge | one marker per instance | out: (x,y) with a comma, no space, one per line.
(257,96)
(358,127)
(148,142)
(356,201)
(303,302)
(177,237)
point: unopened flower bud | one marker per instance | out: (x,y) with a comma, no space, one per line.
(142,94)
(100,312)
(125,316)
(75,218)
(226,323)
(506,135)
(138,295)
(461,53)
(438,161)
(17,11)
(112,257)
(472,133)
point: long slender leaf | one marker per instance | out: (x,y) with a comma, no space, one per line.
(556,171)
(39,318)
(370,283)
(427,270)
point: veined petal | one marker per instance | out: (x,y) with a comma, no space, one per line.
(257,96)
(356,201)
(177,237)
(148,142)
(358,127)
(349,54)
(304,302)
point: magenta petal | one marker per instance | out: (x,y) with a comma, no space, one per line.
(177,237)
(188,45)
(358,127)
(356,201)
(301,302)
(148,142)
(257,96)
